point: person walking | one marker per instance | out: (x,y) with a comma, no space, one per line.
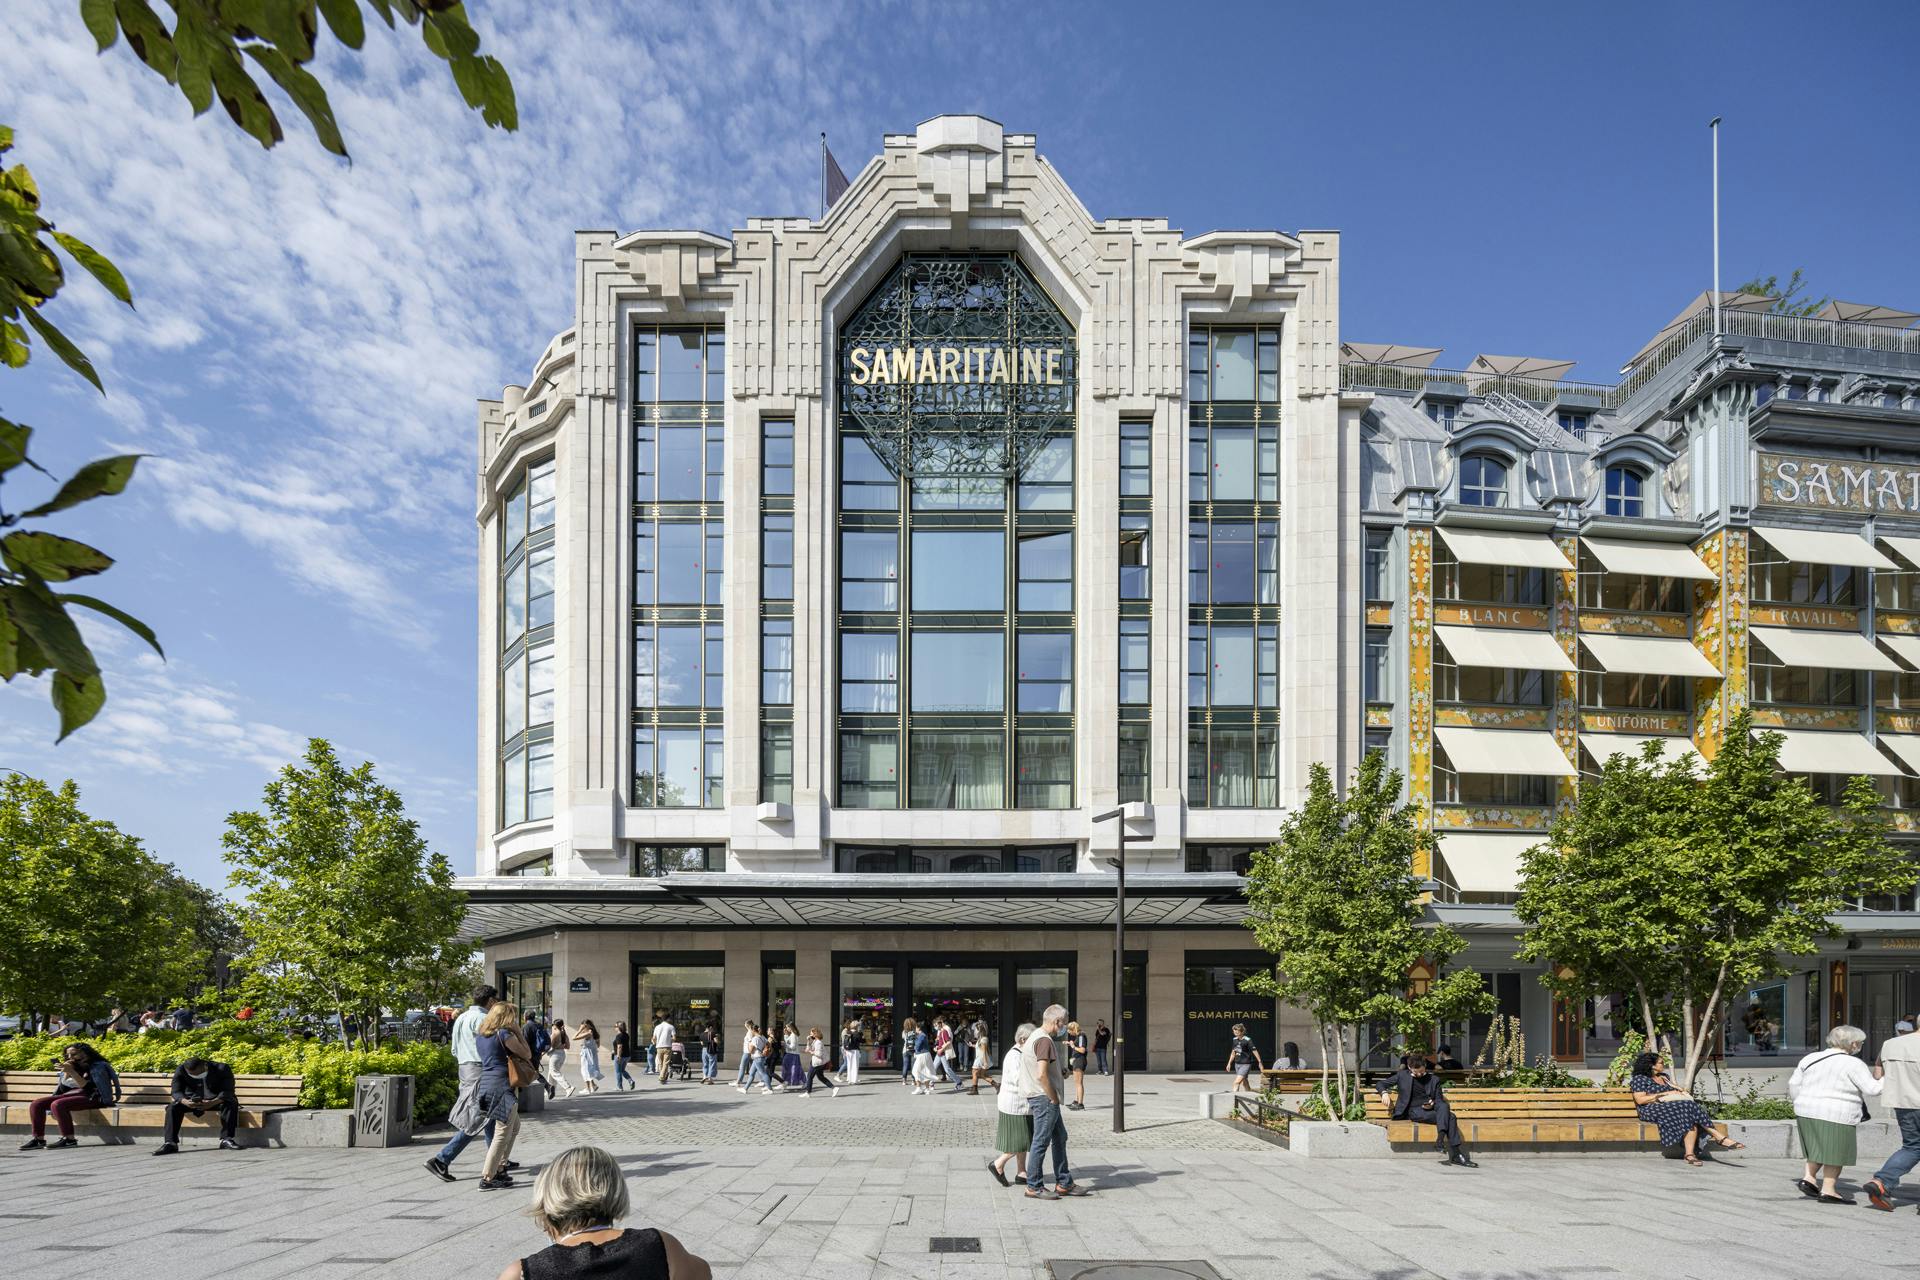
(558,1042)
(1243,1058)
(982,1064)
(819,1054)
(1013,1131)
(539,1043)
(622,1053)
(1102,1038)
(506,1065)
(943,1053)
(922,1061)
(850,1052)
(709,1053)
(1077,1064)
(576,1201)
(909,1030)
(1044,1087)
(86,1081)
(1830,1089)
(1900,1089)
(774,1054)
(587,1038)
(792,1070)
(746,1056)
(754,1056)
(663,1033)
(466,1117)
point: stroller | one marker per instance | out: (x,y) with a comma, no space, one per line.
(677,1063)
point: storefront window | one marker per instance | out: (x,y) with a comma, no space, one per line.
(688,995)
(866,997)
(1037,987)
(653,860)
(528,990)
(778,983)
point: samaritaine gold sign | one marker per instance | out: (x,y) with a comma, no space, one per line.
(957,365)
(1836,484)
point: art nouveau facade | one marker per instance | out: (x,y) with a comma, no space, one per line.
(836,574)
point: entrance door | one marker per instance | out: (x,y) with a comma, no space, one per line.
(1215,1003)
(1874,1006)
(963,996)
(866,997)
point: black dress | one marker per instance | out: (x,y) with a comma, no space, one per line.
(633,1255)
(1672,1118)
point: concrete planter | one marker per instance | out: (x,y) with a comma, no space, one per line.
(304,1129)
(1877,1139)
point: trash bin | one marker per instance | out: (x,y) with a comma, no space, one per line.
(382,1111)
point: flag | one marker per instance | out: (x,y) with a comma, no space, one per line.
(833,179)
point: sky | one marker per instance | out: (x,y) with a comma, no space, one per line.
(311,335)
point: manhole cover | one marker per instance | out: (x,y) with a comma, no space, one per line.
(953,1244)
(1187,1079)
(1095,1269)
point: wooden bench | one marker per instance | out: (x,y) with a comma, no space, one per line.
(1582,1117)
(143,1102)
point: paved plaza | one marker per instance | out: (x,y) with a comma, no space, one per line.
(860,1187)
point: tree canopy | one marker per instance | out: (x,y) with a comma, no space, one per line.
(1336,902)
(347,912)
(1680,885)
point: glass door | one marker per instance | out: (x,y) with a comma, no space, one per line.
(961,996)
(866,997)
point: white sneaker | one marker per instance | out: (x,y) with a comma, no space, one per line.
(836,1091)
(742,1088)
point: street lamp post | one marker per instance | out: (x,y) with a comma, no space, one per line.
(1119,865)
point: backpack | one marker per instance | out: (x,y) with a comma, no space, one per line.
(537,1039)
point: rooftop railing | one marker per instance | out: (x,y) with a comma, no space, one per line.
(1771,326)
(1398,377)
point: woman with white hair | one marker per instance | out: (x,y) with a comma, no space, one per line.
(1830,1089)
(1015,1132)
(576,1201)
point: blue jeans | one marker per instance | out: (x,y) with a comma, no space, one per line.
(740,1076)
(649,1059)
(1901,1162)
(757,1070)
(458,1143)
(1049,1134)
(943,1069)
(709,1063)
(620,1073)
(1100,1061)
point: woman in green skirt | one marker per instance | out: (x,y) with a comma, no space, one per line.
(1830,1091)
(1015,1131)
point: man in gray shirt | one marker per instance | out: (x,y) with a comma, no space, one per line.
(1044,1084)
(1900,1059)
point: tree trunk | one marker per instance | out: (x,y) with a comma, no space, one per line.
(1701,1037)
(1646,1015)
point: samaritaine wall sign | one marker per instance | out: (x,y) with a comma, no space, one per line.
(1838,484)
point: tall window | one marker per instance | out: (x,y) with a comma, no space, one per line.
(955,540)
(1483,481)
(776,610)
(1625,491)
(679,483)
(1376,674)
(1233,571)
(526,647)
(1136,610)
(1379,565)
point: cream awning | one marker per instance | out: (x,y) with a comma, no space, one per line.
(1824,546)
(1908,547)
(1495,647)
(1655,559)
(1504,547)
(1907,647)
(1808,751)
(1835,650)
(1484,861)
(1602,746)
(1648,655)
(1904,745)
(1531,753)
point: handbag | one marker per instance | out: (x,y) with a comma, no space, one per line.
(520,1072)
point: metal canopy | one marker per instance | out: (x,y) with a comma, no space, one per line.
(1535,367)
(1391,353)
(1867,313)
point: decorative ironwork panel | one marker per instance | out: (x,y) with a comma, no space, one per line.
(958,366)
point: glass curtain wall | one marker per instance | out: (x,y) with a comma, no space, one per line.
(956,531)
(526,647)
(1136,609)
(1233,578)
(679,561)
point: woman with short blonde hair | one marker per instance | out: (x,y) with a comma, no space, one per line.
(576,1201)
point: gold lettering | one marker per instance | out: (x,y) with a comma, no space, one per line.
(859,361)
(903,364)
(1029,365)
(999,373)
(949,364)
(1053,366)
(929,370)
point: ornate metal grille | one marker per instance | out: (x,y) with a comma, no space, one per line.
(968,422)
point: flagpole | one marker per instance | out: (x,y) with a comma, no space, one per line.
(1713,127)
(823,175)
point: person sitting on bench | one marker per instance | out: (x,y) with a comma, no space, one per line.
(85,1082)
(1422,1100)
(200,1085)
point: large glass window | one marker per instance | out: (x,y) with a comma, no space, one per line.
(776,556)
(943,860)
(1135,761)
(526,647)
(1778,581)
(1233,562)
(678,665)
(1045,667)
(776,457)
(1486,583)
(1136,458)
(869,771)
(1502,686)
(1376,670)
(1136,662)
(957,769)
(959,570)
(958,671)
(865,482)
(1483,481)
(1625,490)
(1379,565)
(1135,574)
(652,860)
(1047,483)
(1043,770)
(776,762)
(677,767)
(776,661)
(1452,787)
(1046,572)
(869,671)
(870,572)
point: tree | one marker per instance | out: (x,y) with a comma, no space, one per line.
(1682,886)
(1787,299)
(216,930)
(1335,901)
(347,913)
(207,56)
(87,917)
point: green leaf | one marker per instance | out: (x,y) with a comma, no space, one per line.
(147,36)
(13,444)
(29,264)
(101,477)
(120,616)
(306,92)
(101,24)
(62,346)
(39,614)
(96,264)
(244,102)
(77,699)
(343,16)
(53,557)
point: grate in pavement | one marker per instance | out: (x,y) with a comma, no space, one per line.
(953,1244)
(361,1261)
(1094,1269)
(75,1248)
(291,1240)
(1187,1079)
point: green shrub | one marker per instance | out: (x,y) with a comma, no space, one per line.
(1323,1105)
(1749,1103)
(1632,1045)
(327,1070)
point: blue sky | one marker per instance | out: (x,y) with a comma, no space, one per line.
(311,337)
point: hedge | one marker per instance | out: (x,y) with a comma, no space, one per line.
(327,1070)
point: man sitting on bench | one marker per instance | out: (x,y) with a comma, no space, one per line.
(199,1086)
(1422,1101)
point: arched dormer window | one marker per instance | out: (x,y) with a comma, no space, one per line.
(1626,491)
(1483,481)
